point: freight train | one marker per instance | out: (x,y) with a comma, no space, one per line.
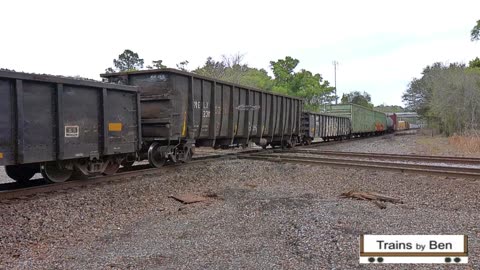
(60,126)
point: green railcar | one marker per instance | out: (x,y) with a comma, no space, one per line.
(364,121)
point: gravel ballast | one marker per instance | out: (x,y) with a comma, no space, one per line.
(258,215)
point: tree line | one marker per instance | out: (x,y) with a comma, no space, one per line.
(448,95)
(303,84)
(309,86)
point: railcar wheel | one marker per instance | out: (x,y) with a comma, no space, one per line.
(21,174)
(54,172)
(111,168)
(156,158)
(288,144)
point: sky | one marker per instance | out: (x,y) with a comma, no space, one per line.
(380,45)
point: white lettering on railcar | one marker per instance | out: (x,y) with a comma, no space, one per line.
(72,131)
(198,105)
(158,77)
(248,107)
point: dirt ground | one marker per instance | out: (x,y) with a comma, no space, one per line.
(257,215)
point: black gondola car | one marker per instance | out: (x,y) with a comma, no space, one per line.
(324,126)
(55,125)
(181,108)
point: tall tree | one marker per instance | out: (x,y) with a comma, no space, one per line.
(110,70)
(156,64)
(448,94)
(258,78)
(283,70)
(418,96)
(232,69)
(304,84)
(212,68)
(128,61)
(389,108)
(356,97)
(475,34)
(183,65)
(475,63)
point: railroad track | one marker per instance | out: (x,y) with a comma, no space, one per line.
(367,162)
(37,186)
(423,158)
(15,191)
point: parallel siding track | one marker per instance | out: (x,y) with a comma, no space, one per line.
(421,158)
(457,167)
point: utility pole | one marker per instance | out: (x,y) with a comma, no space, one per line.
(335,63)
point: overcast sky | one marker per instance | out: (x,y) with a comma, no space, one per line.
(380,45)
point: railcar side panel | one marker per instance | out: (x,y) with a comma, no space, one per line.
(363,120)
(7,123)
(218,113)
(49,118)
(39,123)
(323,126)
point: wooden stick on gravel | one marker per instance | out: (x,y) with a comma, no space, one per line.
(375,197)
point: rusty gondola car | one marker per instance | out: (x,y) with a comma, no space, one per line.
(55,125)
(180,109)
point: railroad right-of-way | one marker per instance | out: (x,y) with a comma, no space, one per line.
(248,214)
(449,166)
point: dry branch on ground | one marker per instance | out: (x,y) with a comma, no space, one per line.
(375,197)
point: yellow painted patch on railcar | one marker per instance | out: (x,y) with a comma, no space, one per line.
(184,128)
(114,126)
(1,155)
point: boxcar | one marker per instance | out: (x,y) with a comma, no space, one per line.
(403,125)
(56,125)
(364,121)
(181,108)
(324,126)
(391,122)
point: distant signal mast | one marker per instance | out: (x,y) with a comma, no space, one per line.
(335,64)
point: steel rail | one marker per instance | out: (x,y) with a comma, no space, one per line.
(402,167)
(14,190)
(366,161)
(17,191)
(445,159)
